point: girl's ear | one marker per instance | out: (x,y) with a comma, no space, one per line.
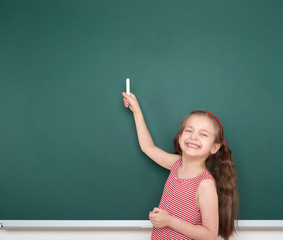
(215,148)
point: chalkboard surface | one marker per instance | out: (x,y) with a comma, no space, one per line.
(68,147)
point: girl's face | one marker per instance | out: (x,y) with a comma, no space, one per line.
(198,137)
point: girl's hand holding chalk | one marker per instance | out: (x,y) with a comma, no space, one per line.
(130,100)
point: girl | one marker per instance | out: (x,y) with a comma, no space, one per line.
(195,203)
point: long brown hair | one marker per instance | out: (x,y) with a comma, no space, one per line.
(223,170)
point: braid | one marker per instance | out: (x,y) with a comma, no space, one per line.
(225,176)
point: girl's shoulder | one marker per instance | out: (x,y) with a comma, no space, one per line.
(177,163)
(207,179)
(207,175)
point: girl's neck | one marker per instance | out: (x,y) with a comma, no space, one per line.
(193,165)
(190,169)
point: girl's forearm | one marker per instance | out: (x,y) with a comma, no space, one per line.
(144,137)
(196,232)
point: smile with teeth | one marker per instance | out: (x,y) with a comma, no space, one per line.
(192,145)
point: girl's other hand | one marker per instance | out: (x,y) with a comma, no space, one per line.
(159,218)
(130,101)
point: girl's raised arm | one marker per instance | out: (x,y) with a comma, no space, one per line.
(147,145)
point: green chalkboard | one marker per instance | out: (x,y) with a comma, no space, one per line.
(68,147)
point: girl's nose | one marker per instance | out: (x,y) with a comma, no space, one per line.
(194,136)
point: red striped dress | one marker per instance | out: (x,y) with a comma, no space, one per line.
(179,200)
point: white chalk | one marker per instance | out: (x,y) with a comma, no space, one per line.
(128,86)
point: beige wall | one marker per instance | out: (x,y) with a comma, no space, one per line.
(120,234)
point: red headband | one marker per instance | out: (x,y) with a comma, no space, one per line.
(221,129)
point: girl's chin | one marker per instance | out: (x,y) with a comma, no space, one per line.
(194,154)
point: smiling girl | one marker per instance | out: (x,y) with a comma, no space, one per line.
(199,199)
